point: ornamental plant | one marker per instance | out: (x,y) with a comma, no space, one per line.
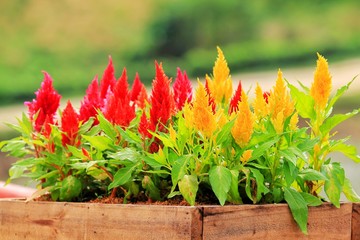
(214,142)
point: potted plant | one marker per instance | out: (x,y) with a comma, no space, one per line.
(199,147)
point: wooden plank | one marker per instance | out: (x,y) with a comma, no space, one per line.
(49,220)
(275,222)
(355,233)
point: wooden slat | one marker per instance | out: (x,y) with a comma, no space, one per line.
(49,220)
(355,233)
(275,222)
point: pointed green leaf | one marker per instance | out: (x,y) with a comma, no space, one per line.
(261,188)
(333,186)
(333,121)
(223,135)
(220,180)
(311,175)
(188,187)
(304,102)
(311,200)
(349,151)
(101,143)
(151,189)
(178,171)
(349,192)
(234,195)
(298,207)
(106,126)
(122,176)
(70,188)
(338,94)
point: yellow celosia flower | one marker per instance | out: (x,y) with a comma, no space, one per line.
(188,116)
(244,123)
(294,121)
(221,86)
(321,87)
(246,156)
(221,118)
(172,133)
(280,104)
(260,106)
(204,119)
(278,122)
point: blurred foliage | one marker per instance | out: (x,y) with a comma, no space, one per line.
(72,40)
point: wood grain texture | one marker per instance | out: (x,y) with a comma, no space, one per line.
(355,233)
(49,220)
(275,222)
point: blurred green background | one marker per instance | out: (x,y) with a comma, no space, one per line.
(72,39)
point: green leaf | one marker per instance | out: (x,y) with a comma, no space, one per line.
(234,195)
(349,151)
(259,151)
(338,94)
(151,190)
(101,143)
(333,185)
(225,132)
(311,199)
(333,121)
(304,102)
(220,180)
(178,171)
(106,126)
(122,176)
(70,188)
(188,187)
(129,136)
(128,153)
(298,207)
(97,173)
(86,126)
(311,175)
(261,189)
(349,192)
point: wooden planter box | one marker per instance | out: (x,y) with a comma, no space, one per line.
(56,220)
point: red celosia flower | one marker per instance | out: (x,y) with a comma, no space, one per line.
(69,126)
(108,80)
(138,93)
(182,90)
(91,103)
(46,132)
(266,96)
(162,100)
(118,109)
(136,88)
(45,105)
(235,100)
(211,99)
(162,107)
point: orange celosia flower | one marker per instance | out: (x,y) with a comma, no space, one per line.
(294,121)
(188,116)
(246,156)
(260,106)
(221,85)
(279,99)
(321,87)
(244,123)
(204,119)
(278,122)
